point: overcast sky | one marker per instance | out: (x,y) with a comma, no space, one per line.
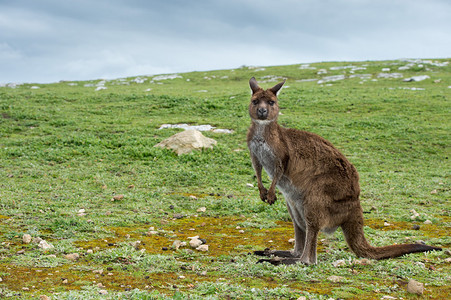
(50,40)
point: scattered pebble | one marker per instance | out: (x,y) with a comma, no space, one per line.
(117,197)
(202,209)
(428,222)
(195,243)
(103,292)
(363,262)
(434,192)
(416,227)
(45,245)
(65,281)
(89,251)
(26,239)
(339,263)
(387,224)
(249,185)
(334,278)
(44,297)
(415,287)
(72,256)
(151,232)
(203,248)
(291,241)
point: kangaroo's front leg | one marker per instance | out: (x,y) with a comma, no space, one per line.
(258,172)
(278,172)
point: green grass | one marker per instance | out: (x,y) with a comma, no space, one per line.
(66,147)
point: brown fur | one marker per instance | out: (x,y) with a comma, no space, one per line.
(320,185)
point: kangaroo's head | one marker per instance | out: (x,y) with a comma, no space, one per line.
(264,106)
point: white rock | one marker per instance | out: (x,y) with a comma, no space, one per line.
(339,263)
(26,239)
(103,292)
(202,209)
(202,248)
(186,141)
(44,245)
(331,78)
(334,278)
(166,77)
(291,241)
(89,251)
(72,256)
(194,243)
(249,185)
(415,287)
(417,78)
(428,222)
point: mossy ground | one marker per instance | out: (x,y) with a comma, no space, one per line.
(66,147)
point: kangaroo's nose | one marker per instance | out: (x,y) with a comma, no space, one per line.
(262,112)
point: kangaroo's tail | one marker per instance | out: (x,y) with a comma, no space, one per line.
(353,232)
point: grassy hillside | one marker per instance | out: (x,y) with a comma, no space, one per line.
(79,169)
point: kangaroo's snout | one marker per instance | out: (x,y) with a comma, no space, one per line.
(262,113)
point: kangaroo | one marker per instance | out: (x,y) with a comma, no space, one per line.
(320,186)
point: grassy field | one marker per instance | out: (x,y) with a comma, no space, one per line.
(79,169)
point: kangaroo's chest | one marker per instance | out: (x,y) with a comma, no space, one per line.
(264,153)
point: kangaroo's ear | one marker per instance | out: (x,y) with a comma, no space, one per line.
(275,89)
(254,85)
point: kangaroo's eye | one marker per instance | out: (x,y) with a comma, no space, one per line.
(255,102)
(271,103)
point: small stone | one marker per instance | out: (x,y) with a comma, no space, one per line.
(100,271)
(37,240)
(363,262)
(241,231)
(26,239)
(65,281)
(81,211)
(202,209)
(100,285)
(203,248)
(181,277)
(118,197)
(22,251)
(44,297)
(176,244)
(448,260)
(152,232)
(89,251)
(25,288)
(203,273)
(249,185)
(434,192)
(194,243)
(387,224)
(103,292)
(339,263)
(193,197)
(44,245)
(428,222)
(416,227)
(415,287)
(292,241)
(72,256)
(334,278)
